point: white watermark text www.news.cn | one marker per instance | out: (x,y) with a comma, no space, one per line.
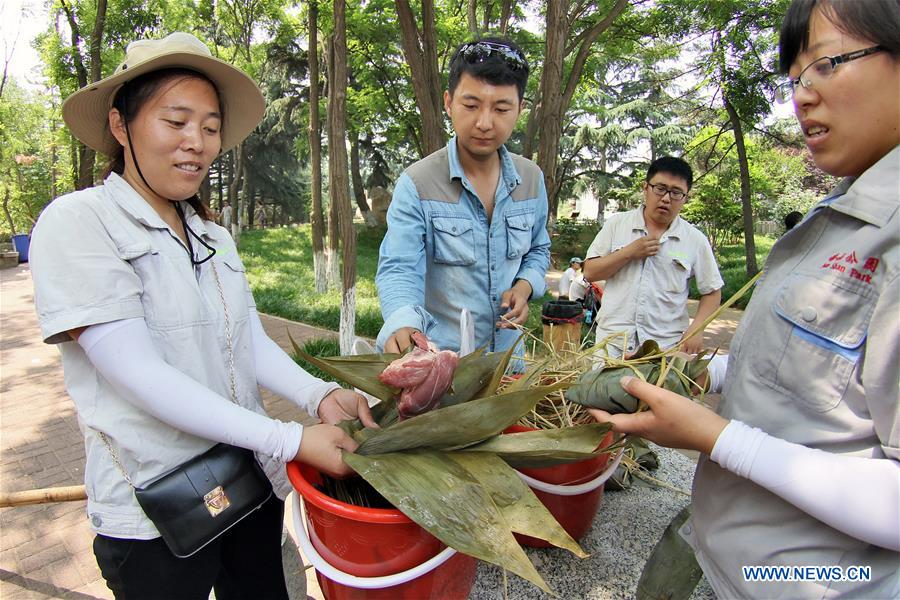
(807,573)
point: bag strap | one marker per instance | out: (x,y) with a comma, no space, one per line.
(229,344)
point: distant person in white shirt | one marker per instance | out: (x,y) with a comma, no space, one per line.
(579,288)
(647,257)
(571,274)
(225,216)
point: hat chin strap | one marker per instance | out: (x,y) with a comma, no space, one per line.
(190,232)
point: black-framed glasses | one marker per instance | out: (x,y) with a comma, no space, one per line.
(477,52)
(660,190)
(817,71)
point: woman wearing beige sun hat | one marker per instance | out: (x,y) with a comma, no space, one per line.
(162,347)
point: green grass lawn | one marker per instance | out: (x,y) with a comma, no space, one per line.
(279,266)
(733,267)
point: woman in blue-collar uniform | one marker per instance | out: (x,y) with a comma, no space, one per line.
(801,465)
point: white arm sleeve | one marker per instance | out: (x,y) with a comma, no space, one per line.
(858,496)
(276,371)
(123,353)
(716,370)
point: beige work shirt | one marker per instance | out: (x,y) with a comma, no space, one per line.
(814,362)
(103,254)
(647,298)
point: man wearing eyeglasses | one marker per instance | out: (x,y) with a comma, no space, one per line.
(647,257)
(467,224)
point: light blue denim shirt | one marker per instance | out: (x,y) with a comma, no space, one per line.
(441,253)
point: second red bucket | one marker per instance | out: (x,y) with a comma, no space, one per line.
(373,553)
(553,487)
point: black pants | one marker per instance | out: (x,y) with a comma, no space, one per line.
(243,563)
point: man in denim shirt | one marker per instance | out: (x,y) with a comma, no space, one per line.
(467,224)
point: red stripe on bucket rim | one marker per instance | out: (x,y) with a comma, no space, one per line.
(347,511)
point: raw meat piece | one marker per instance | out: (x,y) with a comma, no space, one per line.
(424,374)
(409,370)
(423,397)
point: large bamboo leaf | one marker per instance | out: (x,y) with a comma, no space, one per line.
(359,371)
(672,571)
(449,502)
(455,426)
(523,511)
(499,370)
(472,375)
(547,447)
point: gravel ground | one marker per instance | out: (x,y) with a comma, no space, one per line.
(625,530)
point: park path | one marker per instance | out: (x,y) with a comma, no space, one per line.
(45,549)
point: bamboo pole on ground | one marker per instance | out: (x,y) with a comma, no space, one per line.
(68,493)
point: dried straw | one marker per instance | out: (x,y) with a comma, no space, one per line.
(567,364)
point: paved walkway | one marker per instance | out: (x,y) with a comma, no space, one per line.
(45,549)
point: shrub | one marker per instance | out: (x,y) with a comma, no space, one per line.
(571,238)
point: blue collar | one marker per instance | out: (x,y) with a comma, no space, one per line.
(508,170)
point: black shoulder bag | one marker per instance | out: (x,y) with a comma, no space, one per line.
(202,498)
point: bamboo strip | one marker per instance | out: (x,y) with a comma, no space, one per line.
(69,493)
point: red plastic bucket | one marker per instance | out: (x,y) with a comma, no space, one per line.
(575,513)
(374,542)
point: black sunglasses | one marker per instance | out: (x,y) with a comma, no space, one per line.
(478,52)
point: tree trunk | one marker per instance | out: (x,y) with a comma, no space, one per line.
(97,42)
(505,13)
(359,194)
(531,127)
(420,50)
(603,197)
(86,156)
(337,172)
(234,197)
(74,156)
(551,100)
(248,194)
(334,234)
(86,160)
(54,157)
(746,206)
(206,191)
(315,153)
(220,172)
(553,103)
(472,18)
(6,213)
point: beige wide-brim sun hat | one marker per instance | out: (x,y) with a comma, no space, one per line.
(86,111)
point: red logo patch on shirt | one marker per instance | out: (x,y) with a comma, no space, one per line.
(843,262)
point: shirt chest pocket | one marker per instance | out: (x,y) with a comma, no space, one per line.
(678,271)
(818,351)
(454,240)
(518,234)
(163,297)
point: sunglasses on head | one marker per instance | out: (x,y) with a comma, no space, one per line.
(478,52)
